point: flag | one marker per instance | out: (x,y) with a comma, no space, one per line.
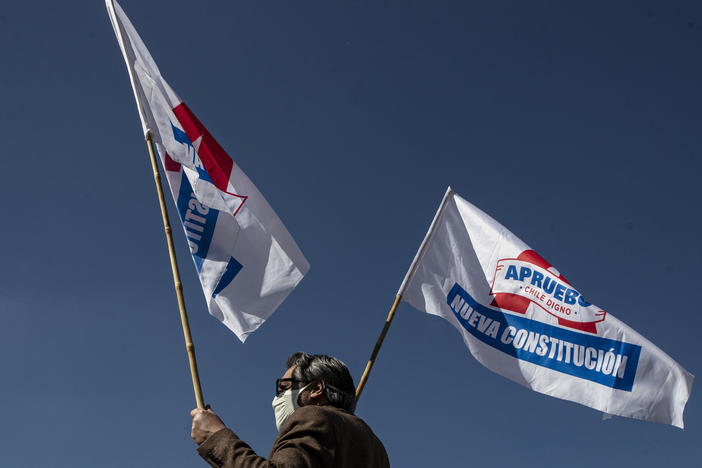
(246,260)
(521,318)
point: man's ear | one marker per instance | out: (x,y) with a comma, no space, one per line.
(316,389)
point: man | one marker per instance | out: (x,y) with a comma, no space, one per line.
(313,407)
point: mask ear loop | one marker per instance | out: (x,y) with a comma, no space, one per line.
(296,403)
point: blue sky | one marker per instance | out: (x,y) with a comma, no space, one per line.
(574,124)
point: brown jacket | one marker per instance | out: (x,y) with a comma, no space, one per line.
(312,437)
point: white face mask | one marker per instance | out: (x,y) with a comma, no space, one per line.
(286,404)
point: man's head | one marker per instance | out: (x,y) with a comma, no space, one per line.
(327,380)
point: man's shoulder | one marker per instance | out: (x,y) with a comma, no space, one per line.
(321,413)
(325,415)
(328,417)
(330,426)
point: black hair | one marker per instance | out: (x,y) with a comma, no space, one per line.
(338,383)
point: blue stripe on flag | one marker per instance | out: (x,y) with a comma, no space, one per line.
(605,361)
(233,267)
(198,222)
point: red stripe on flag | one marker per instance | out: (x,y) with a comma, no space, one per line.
(589,327)
(511,302)
(217,162)
(536,259)
(171,165)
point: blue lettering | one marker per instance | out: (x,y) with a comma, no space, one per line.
(570,296)
(560,289)
(511,273)
(549,284)
(536,278)
(524,272)
(583,302)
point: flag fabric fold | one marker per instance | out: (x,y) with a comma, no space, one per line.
(246,260)
(521,318)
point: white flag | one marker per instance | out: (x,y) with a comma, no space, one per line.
(246,260)
(522,319)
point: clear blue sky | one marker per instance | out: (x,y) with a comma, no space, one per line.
(575,124)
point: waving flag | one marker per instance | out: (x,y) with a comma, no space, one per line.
(522,319)
(246,260)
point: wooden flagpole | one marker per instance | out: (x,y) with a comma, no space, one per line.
(378,344)
(189,346)
(410,273)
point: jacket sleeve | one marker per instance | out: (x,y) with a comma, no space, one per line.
(224,449)
(306,440)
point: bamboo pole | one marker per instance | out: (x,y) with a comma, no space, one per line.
(410,273)
(378,344)
(189,346)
